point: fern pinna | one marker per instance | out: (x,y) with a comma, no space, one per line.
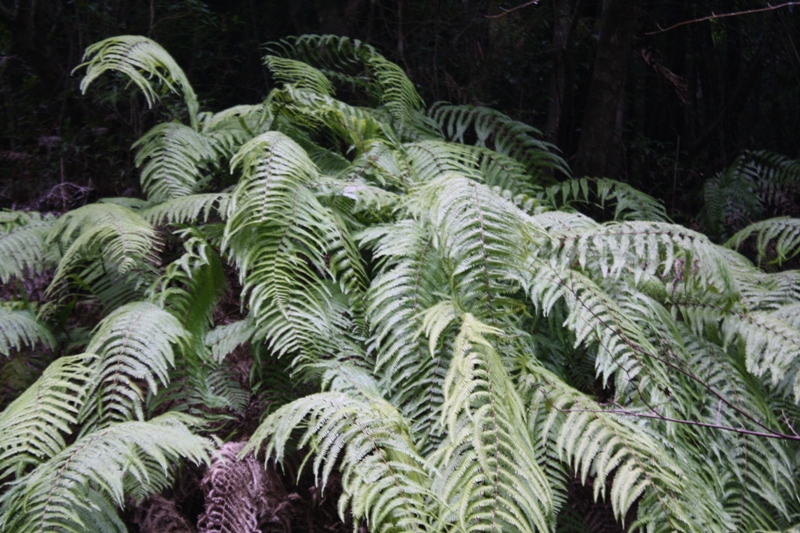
(423,312)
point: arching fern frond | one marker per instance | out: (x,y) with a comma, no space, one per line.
(492,129)
(135,345)
(141,60)
(22,244)
(629,203)
(192,209)
(783,231)
(490,478)
(625,458)
(285,243)
(59,493)
(107,250)
(358,64)
(383,477)
(299,74)
(32,427)
(20,327)
(174,158)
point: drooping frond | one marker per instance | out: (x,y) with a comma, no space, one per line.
(192,209)
(135,345)
(174,158)
(20,327)
(492,129)
(783,231)
(60,494)
(411,279)
(142,60)
(359,64)
(285,243)
(625,458)
(107,250)
(32,427)
(383,477)
(302,75)
(741,193)
(22,244)
(490,477)
(628,203)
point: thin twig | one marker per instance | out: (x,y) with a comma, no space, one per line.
(507,11)
(713,16)
(771,435)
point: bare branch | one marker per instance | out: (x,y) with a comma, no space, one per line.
(507,11)
(713,16)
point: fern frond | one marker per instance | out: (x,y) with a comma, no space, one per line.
(491,478)
(784,231)
(626,458)
(629,203)
(192,209)
(285,242)
(495,130)
(135,345)
(359,64)
(411,279)
(299,74)
(22,244)
(225,339)
(33,426)
(383,477)
(108,249)
(57,494)
(20,327)
(141,60)
(174,158)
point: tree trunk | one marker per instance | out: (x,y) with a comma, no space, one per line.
(600,145)
(562,77)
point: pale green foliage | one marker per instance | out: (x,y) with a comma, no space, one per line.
(57,494)
(141,60)
(32,428)
(461,342)
(20,327)
(784,231)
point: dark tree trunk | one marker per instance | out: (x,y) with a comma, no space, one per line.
(599,148)
(562,77)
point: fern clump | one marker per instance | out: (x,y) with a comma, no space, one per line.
(409,298)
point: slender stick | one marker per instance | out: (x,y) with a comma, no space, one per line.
(713,16)
(507,11)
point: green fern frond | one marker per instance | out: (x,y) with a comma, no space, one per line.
(22,244)
(141,60)
(135,345)
(174,158)
(629,203)
(384,480)
(299,74)
(624,457)
(33,426)
(57,494)
(192,209)
(285,243)
(107,250)
(20,327)
(495,130)
(490,473)
(358,64)
(784,231)
(223,340)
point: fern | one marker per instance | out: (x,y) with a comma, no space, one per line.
(20,327)
(33,426)
(409,300)
(61,492)
(141,60)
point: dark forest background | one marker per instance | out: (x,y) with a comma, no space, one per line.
(662,111)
